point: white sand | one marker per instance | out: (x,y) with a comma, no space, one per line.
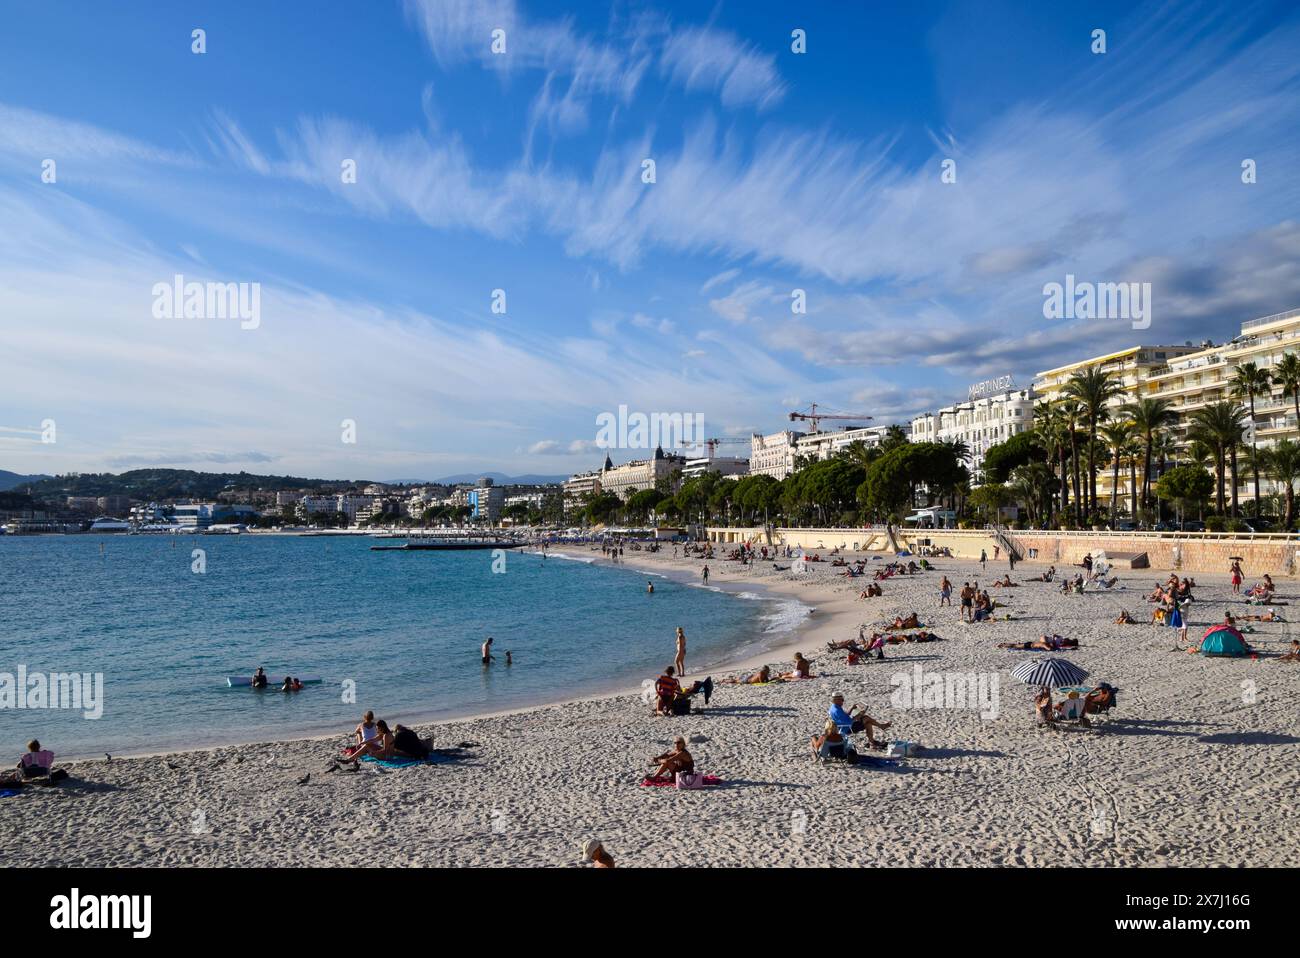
(1190,769)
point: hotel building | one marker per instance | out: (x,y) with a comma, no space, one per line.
(729,466)
(774,455)
(1199,378)
(980,422)
(830,443)
(639,474)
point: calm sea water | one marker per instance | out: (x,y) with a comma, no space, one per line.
(406,627)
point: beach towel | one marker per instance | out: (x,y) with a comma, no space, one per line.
(672,783)
(8,792)
(399,762)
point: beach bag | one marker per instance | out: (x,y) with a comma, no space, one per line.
(681,705)
(690,780)
(901,749)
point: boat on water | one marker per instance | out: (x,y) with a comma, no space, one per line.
(444,543)
(106,524)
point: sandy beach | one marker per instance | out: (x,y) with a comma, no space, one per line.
(1198,764)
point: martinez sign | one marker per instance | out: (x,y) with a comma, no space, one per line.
(991,386)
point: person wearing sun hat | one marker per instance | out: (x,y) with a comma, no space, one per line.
(593,851)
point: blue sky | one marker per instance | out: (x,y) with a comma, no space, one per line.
(775,171)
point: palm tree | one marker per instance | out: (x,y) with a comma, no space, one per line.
(1094,388)
(1220,426)
(1049,424)
(1286,373)
(1283,464)
(1150,417)
(1070,412)
(1118,435)
(1248,382)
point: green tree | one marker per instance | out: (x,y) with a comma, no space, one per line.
(1118,435)
(1220,426)
(1187,486)
(1250,381)
(1093,388)
(1150,417)
(1282,462)
(1023,447)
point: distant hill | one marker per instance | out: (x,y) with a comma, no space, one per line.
(149,484)
(12,480)
(501,479)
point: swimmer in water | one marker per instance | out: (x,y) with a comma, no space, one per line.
(650,588)
(488,658)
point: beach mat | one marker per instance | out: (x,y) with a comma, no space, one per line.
(8,792)
(649,782)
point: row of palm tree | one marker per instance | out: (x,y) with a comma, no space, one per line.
(1086,425)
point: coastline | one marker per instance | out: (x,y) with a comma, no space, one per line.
(986,790)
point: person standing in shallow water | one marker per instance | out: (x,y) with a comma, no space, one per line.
(679,663)
(488,658)
(706,573)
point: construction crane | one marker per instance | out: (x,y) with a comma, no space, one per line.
(712,444)
(815,417)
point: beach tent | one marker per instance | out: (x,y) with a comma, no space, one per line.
(1223,640)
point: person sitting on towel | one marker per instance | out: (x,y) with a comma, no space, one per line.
(801,670)
(1293,655)
(365,730)
(674,761)
(381,746)
(37,761)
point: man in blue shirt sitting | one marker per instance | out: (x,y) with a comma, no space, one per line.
(848,723)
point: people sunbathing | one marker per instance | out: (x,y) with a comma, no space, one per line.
(36,762)
(1269,616)
(1293,655)
(1006,583)
(871,591)
(761,677)
(1046,643)
(1125,618)
(802,670)
(851,720)
(673,761)
(1047,576)
(910,621)
(380,745)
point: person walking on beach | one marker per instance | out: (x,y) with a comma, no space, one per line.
(967,603)
(984,558)
(1236,577)
(945,592)
(706,574)
(679,663)
(488,657)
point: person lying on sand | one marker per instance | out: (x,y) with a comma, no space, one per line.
(1269,616)
(1046,576)
(911,621)
(1046,643)
(761,677)
(409,745)
(1005,583)
(922,636)
(1125,618)
(674,761)
(593,851)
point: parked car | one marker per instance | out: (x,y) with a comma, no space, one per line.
(1194,525)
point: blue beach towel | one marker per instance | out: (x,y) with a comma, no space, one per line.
(7,792)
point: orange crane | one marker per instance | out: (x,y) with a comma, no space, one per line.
(815,417)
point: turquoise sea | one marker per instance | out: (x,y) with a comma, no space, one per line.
(404,627)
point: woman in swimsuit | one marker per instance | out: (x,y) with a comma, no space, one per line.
(761,677)
(381,746)
(678,760)
(679,663)
(365,731)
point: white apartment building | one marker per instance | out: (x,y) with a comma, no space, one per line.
(639,474)
(980,422)
(830,443)
(731,467)
(774,455)
(313,505)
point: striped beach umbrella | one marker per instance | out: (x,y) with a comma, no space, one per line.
(1051,672)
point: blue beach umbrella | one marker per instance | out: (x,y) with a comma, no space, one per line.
(1051,672)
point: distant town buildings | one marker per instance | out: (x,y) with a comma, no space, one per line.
(979,423)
